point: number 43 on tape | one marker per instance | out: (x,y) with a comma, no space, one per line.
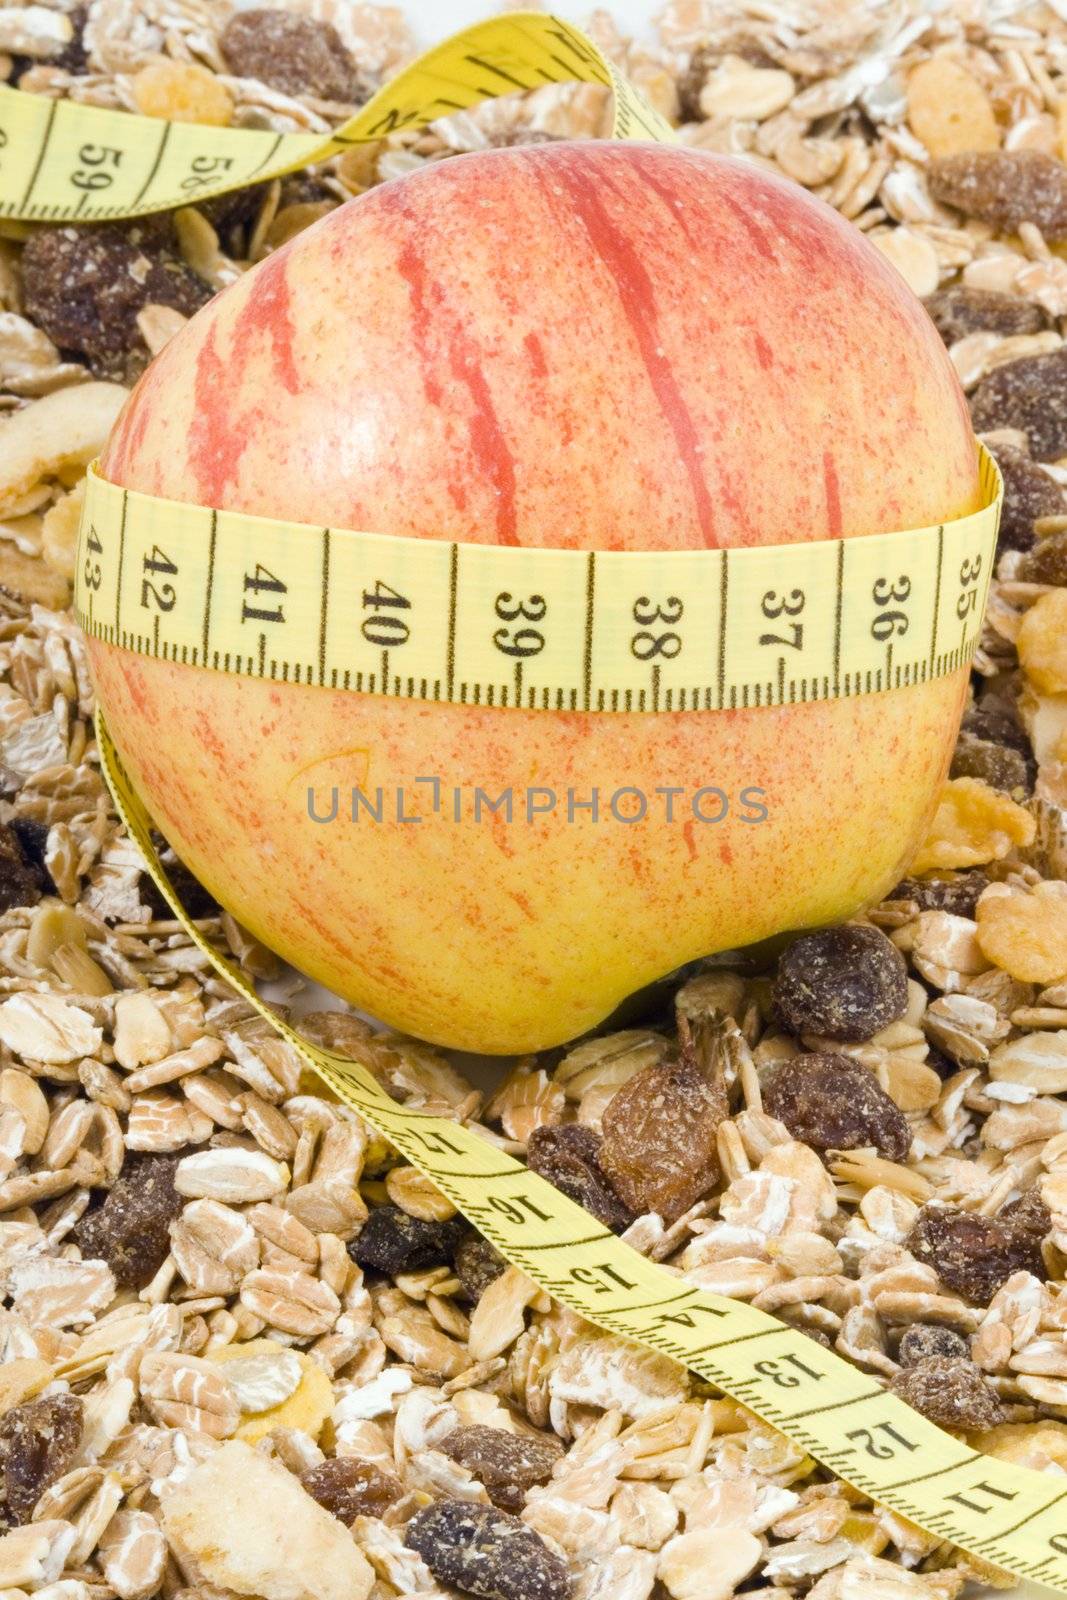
(1007,1515)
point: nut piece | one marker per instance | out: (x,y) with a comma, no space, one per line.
(249,1526)
(179,91)
(949,110)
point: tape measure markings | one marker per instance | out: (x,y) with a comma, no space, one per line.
(567,630)
(61,161)
(838,1414)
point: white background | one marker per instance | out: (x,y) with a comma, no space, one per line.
(433,20)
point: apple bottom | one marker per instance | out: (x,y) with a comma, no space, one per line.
(450,920)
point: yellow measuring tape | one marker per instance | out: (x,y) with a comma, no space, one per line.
(1008,1515)
(542,629)
(545,629)
(65,162)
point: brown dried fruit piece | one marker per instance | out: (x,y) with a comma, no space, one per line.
(1031,395)
(659,1148)
(841,983)
(350,1488)
(1047,561)
(1005,188)
(925,1340)
(1028,1216)
(294,54)
(999,721)
(486,1552)
(950,1392)
(21,882)
(507,1464)
(568,1157)
(38,1443)
(1029,493)
(477,1264)
(958,311)
(190,891)
(995,764)
(391,1241)
(958,894)
(131,1229)
(85,286)
(971,1254)
(833,1103)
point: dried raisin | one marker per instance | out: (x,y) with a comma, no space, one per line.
(926,1340)
(996,764)
(971,1254)
(958,894)
(350,1488)
(569,1158)
(1029,493)
(391,1241)
(507,1464)
(1029,394)
(841,983)
(130,1230)
(998,720)
(1029,1217)
(950,1392)
(198,902)
(477,1264)
(659,1148)
(1047,561)
(486,1552)
(295,54)
(22,882)
(85,286)
(834,1103)
(38,1443)
(1005,188)
(958,311)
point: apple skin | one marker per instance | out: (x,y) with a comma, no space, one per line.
(586,345)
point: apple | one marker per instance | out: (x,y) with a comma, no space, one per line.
(590,345)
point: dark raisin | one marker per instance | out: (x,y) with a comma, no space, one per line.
(74,57)
(569,1158)
(1005,188)
(1029,493)
(507,1464)
(950,1392)
(841,983)
(486,1552)
(130,1230)
(999,721)
(996,764)
(659,1148)
(958,895)
(38,1443)
(21,882)
(834,1103)
(390,1241)
(1029,394)
(691,82)
(971,1254)
(477,1264)
(1028,1217)
(33,840)
(197,901)
(1047,561)
(294,54)
(350,1488)
(925,1340)
(85,286)
(958,311)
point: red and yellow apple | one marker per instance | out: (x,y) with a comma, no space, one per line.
(597,346)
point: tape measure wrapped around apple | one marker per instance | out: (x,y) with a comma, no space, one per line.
(626,426)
